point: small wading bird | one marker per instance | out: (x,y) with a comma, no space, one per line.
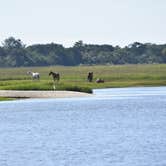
(34,75)
(55,76)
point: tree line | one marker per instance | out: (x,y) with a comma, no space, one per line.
(14,53)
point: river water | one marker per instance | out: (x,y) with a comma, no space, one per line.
(115,127)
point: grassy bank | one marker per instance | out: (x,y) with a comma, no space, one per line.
(6,99)
(74,78)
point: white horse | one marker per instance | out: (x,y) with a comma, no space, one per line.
(34,75)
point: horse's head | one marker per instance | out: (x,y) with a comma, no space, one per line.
(29,72)
(50,73)
(90,73)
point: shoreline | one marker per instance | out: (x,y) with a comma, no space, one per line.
(6,95)
(41,94)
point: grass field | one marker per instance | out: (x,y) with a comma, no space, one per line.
(74,78)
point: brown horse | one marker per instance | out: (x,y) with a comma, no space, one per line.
(55,76)
(90,76)
(99,80)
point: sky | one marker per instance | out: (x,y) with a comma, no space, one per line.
(115,22)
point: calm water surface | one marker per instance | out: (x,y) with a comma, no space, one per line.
(115,127)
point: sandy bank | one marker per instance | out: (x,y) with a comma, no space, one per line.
(41,94)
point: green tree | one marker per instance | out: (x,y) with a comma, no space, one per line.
(12,43)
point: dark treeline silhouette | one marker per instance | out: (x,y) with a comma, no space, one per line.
(13,53)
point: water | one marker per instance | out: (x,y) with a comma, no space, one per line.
(119,127)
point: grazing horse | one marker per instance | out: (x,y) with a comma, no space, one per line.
(34,75)
(99,80)
(90,76)
(55,76)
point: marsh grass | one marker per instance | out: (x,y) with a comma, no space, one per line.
(74,78)
(6,99)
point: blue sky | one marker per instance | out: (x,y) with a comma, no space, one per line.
(116,22)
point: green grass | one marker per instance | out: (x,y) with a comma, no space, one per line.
(6,99)
(74,78)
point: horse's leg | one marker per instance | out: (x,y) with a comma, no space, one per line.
(54,78)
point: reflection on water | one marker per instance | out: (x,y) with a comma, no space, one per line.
(120,127)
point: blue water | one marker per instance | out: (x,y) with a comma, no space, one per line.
(115,127)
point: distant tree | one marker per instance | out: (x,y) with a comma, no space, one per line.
(12,43)
(2,52)
(79,44)
(14,53)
